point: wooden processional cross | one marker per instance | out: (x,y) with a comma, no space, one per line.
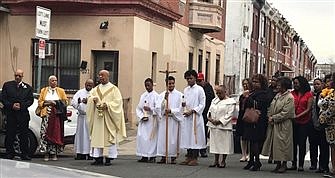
(167,72)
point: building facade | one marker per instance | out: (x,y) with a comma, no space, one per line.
(133,40)
(260,40)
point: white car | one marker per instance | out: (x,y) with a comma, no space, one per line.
(35,126)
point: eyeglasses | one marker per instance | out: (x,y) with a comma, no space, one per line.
(18,76)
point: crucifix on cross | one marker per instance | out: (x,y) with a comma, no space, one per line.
(167,73)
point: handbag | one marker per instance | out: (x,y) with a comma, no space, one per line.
(251,115)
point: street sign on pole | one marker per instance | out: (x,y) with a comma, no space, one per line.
(41,49)
(43,16)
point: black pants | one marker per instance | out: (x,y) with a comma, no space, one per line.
(300,133)
(204,150)
(317,139)
(17,123)
(255,150)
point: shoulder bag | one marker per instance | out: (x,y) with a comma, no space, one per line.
(251,115)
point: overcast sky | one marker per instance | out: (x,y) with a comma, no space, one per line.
(314,20)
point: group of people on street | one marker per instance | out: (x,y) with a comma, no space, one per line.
(100,123)
(172,122)
(287,118)
(188,114)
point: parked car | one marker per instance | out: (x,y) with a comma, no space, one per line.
(237,144)
(35,126)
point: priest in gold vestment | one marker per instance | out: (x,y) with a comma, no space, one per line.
(105,120)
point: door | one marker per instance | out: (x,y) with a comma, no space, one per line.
(108,60)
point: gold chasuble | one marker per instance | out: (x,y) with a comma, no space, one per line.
(106,125)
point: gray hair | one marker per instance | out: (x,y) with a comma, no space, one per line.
(51,77)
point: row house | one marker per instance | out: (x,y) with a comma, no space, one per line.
(259,39)
(132,39)
(324,69)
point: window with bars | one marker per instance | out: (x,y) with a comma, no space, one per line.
(62,59)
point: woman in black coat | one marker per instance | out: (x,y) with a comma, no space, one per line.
(255,133)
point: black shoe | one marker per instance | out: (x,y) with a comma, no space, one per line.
(98,162)
(292,168)
(249,165)
(89,157)
(162,161)
(108,161)
(152,160)
(9,156)
(204,155)
(322,171)
(257,166)
(26,158)
(277,168)
(300,169)
(312,168)
(143,160)
(80,157)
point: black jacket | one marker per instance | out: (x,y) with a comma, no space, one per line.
(12,93)
(209,92)
(257,131)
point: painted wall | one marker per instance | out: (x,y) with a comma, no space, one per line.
(133,37)
(239,14)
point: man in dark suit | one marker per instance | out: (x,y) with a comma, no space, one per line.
(17,96)
(209,92)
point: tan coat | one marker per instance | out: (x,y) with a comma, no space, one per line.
(107,126)
(279,137)
(61,94)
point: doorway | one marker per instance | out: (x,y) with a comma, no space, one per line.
(107,60)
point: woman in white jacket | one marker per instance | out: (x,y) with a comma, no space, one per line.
(220,126)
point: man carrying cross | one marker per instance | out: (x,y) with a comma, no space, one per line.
(171,106)
(192,127)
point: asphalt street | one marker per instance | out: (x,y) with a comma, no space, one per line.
(127,166)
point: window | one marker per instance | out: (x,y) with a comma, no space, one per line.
(200,61)
(207,65)
(217,69)
(62,60)
(153,66)
(190,60)
(206,1)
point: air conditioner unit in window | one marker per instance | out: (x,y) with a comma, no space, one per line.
(49,49)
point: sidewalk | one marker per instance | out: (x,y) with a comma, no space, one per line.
(128,146)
